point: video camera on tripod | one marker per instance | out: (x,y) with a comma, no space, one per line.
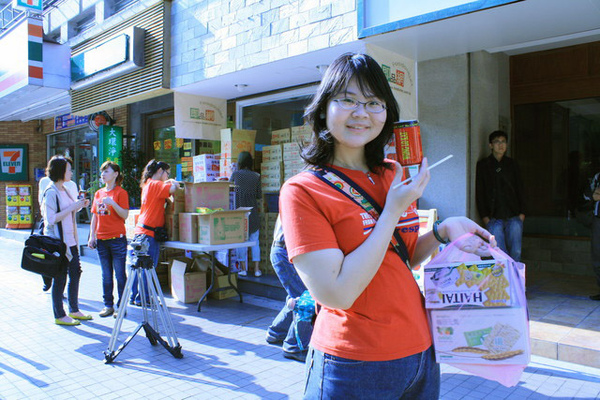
(139,256)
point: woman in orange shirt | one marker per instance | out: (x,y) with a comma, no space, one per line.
(107,233)
(371,338)
(156,188)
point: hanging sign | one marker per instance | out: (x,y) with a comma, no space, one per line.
(198,117)
(35,6)
(110,139)
(13,162)
(401,75)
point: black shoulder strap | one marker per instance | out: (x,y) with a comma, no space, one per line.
(364,201)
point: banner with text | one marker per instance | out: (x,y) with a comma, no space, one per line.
(401,75)
(198,117)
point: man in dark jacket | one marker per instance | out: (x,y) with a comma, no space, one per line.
(499,196)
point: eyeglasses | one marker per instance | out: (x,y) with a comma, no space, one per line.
(498,141)
(373,107)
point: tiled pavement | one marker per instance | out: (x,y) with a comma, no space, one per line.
(225,356)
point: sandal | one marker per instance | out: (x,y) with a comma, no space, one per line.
(80,316)
(72,322)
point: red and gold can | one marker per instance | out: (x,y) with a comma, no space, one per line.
(409,149)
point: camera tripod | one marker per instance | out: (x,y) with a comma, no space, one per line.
(153,306)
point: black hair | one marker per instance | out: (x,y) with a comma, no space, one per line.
(497,134)
(152,168)
(115,167)
(372,82)
(244,160)
(57,167)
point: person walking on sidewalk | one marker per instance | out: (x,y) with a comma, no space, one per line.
(42,186)
(592,193)
(61,225)
(247,191)
(371,337)
(500,196)
(286,328)
(156,188)
(107,233)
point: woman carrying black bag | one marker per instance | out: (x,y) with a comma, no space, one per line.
(58,198)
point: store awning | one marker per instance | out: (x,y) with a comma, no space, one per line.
(34,75)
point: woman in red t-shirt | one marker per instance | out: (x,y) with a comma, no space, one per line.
(107,233)
(371,337)
(156,188)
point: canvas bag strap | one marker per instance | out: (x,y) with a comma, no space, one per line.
(354,192)
(60,231)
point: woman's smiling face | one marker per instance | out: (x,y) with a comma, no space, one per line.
(354,128)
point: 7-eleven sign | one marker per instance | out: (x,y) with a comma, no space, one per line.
(13,163)
(28,5)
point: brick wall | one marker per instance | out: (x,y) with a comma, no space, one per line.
(16,132)
(34,133)
(212,38)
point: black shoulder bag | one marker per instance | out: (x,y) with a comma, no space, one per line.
(44,254)
(160,232)
(362,199)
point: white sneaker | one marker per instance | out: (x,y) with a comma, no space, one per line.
(242,273)
(258,273)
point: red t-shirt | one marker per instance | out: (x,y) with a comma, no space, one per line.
(110,224)
(152,212)
(388,320)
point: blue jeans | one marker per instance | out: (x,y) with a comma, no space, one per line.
(242,252)
(508,233)
(58,287)
(285,324)
(413,377)
(153,252)
(112,254)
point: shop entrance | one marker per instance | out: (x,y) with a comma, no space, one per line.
(81,146)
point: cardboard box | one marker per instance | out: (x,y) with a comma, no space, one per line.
(206,194)
(188,284)
(291,152)
(234,141)
(492,336)
(222,282)
(175,204)
(222,227)
(479,284)
(172,226)
(280,136)
(131,222)
(272,153)
(188,227)
(301,134)
(270,184)
(206,168)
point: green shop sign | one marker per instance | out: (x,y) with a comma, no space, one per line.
(14,163)
(111,143)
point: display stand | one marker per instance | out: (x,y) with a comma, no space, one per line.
(211,249)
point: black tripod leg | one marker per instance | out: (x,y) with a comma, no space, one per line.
(150,332)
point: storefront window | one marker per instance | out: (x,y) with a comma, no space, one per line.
(82,146)
(178,152)
(269,113)
(557,145)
